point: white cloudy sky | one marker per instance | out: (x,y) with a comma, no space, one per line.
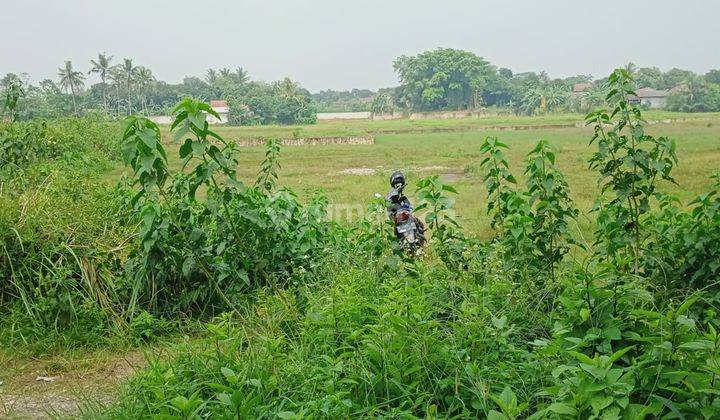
(343,44)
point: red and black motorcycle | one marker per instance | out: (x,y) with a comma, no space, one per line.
(408,228)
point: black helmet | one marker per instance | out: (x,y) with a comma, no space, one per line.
(397,177)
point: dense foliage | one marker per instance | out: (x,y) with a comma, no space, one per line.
(305,318)
(355,100)
(506,328)
(127,88)
(442,79)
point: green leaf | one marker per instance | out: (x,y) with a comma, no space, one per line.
(600,402)
(186,149)
(148,136)
(495,415)
(224,399)
(612,333)
(584,314)
(705,345)
(581,357)
(620,353)
(670,405)
(688,322)
(197,119)
(188,266)
(562,408)
(227,372)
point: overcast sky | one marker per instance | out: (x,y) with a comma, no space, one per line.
(343,44)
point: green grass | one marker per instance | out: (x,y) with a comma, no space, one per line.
(364,127)
(451,148)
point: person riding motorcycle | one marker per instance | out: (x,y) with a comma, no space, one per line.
(397,200)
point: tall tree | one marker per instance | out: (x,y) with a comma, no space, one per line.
(442,78)
(287,88)
(116,76)
(713,76)
(241,76)
(71,80)
(129,72)
(144,78)
(649,77)
(631,67)
(211,76)
(13,87)
(102,66)
(541,94)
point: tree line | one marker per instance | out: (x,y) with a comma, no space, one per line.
(446,78)
(441,79)
(125,88)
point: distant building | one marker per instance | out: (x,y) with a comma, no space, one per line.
(678,89)
(579,88)
(652,98)
(223,110)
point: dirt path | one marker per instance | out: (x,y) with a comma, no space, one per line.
(37,388)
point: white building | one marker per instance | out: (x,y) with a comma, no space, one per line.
(326,116)
(223,110)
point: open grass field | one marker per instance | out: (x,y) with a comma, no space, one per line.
(451,148)
(364,127)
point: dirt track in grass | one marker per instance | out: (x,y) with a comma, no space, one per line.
(58,387)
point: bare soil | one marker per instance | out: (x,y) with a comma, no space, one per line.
(36,388)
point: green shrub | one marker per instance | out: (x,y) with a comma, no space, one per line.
(203,254)
(60,229)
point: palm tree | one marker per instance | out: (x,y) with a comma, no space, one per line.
(211,76)
(129,72)
(115,74)
(382,104)
(287,88)
(631,68)
(102,67)
(144,77)
(224,72)
(543,95)
(241,76)
(71,79)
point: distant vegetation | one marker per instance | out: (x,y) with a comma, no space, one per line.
(344,101)
(441,79)
(125,88)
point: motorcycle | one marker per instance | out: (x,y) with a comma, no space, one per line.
(408,228)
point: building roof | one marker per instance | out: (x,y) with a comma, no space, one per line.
(216,103)
(646,92)
(581,87)
(678,88)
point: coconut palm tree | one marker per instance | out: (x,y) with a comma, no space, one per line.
(71,80)
(211,76)
(102,68)
(631,68)
(115,74)
(241,76)
(129,72)
(143,78)
(224,72)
